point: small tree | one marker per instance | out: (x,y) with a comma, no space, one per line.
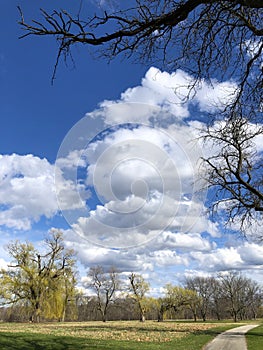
(105,284)
(36,280)
(139,287)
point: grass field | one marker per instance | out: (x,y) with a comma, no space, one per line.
(255,338)
(119,335)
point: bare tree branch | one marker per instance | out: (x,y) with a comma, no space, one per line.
(235,171)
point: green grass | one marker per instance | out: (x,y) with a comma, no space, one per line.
(89,336)
(255,338)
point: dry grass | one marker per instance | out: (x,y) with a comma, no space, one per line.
(150,331)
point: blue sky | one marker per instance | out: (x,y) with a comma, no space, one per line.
(146,218)
(38,115)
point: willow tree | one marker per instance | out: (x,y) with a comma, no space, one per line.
(209,39)
(176,298)
(41,281)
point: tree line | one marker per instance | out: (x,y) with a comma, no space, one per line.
(41,285)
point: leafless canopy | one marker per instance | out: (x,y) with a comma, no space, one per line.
(207,38)
(105,285)
(235,170)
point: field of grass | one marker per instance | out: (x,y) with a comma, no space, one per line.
(255,338)
(119,335)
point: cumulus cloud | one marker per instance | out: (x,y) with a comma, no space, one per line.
(143,179)
(171,257)
(162,95)
(126,178)
(243,257)
(168,249)
(142,168)
(28,190)
(172,91)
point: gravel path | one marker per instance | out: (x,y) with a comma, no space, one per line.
(233,339)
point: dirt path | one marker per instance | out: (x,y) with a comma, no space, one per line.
(233,339)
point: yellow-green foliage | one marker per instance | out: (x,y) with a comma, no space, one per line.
(41,281)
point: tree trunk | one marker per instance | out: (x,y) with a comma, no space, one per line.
(142,318)
(203,316)
(104,316)
(35,317)
(160,316)
(63,315)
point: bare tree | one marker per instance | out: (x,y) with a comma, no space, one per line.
(209,36)
(242,293)
(105,284)
(234,171)
(204,287)
(255,299)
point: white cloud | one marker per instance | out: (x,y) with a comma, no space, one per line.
(168,257)
(142,153)
(219,260)
(73,160)
(3,264)
(171,257)
(145,179)
(28,191)
(163,96)
(185,241)
(168,249)
(144,176)
(251,254)
(162,89)
(252,47)
(243,257)
(215,96)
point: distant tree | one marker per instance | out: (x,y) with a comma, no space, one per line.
(241,292)
(152,308)
(218,300)
(105,284)
(209,40)
(255,299)
(139,287)
(41,282)
(194,303)
(176,298)
(204,287)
